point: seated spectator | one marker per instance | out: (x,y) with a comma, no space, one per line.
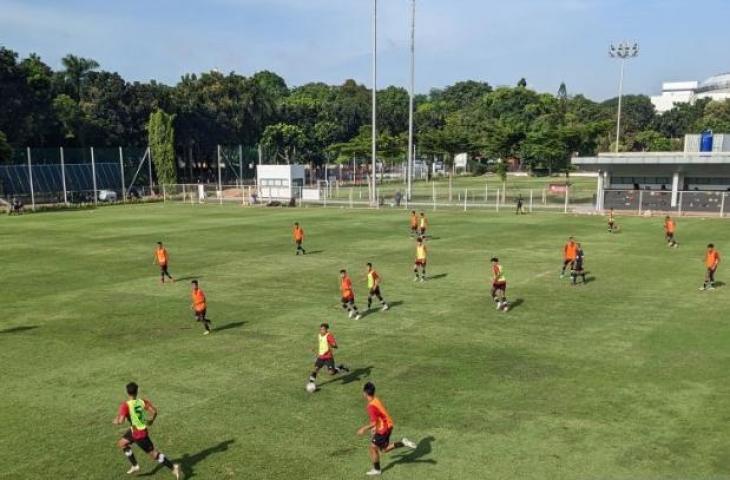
(16,207)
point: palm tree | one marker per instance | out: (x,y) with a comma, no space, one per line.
(76,70)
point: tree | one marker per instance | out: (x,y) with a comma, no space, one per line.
(684,118)
(76,71)
(393,110)
(562,92)
(544,148)
(716,117)
(283,140)
(5,150)
(461,94)
(69,114)
(162,146)
(652,141)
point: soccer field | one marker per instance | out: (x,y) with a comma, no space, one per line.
(623,378)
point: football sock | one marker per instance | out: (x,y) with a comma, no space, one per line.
(162,460)
(130,456)
(376,466)
(398,445)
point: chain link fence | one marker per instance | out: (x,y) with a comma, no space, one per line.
(40,176)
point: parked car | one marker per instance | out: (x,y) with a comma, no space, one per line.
(107,196)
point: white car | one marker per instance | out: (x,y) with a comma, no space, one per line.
(107,196)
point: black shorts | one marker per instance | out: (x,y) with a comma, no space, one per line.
(381,440)
(163,268)
(299,243)
(325,362)
(375,291)
(568,261)
(670,235)
(201,314)
(144,443)
(346,300)
(500,286)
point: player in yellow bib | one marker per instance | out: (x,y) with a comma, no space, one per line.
(374,288)
(419,267)
(326,346)
(135,411)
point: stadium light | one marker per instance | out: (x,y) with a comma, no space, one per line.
(623,51)
(373,193)
(411,154)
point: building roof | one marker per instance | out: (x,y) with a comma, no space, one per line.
(716,83)
(655,158)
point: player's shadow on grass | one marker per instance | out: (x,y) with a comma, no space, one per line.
(19,329)
(188,462)
(415,456)
(438,276)
(378,308)
(397,303)
(517,302)
(719,284)
(228,326)
(314,252)
(353,376)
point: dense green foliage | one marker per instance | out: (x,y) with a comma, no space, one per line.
(5,149)
(625,377)
(82,105)
(162,146)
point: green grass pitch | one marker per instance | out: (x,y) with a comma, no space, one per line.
(627,377)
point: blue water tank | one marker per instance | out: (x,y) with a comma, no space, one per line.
(706,141)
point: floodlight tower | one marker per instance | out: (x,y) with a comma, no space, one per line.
(411,153)
(623,51)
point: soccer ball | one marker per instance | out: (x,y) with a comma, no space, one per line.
(311,387)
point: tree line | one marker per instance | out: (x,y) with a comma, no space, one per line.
(84,105)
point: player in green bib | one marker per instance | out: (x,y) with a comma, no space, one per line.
(136,411)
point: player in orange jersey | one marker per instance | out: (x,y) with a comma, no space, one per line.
(499,286)
(200,306)
(298,235)
(712,260)
(380,427)
(162,259)
(414,223)
(670,227)
(570,250)
(348,295)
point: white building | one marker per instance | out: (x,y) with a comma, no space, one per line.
(279,182)
(716,88)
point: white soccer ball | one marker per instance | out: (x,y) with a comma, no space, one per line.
(311,387)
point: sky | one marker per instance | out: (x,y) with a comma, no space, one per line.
(498,41)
